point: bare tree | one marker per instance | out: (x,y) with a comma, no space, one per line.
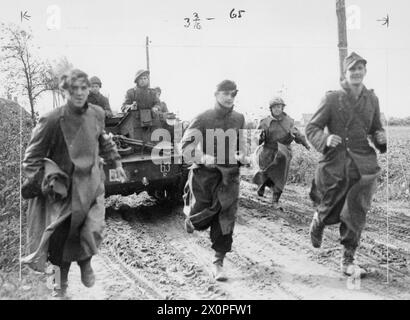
(59,67)
(24,72)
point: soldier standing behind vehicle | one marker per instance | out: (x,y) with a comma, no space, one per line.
(95,97)
(212,189)
(345,178)
(274,152)
(162,105)
(65,182)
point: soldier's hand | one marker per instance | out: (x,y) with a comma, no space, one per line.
(381,137)
(121,174)
(134,106)
(243,159)
(333,140)
(208,160)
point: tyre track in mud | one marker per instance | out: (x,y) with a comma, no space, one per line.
(258,265)
(142,288)
(300,210)
(160,260)
(248,279)
(271,256)
(193,255)
(298,214)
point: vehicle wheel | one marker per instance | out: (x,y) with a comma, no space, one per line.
(159,195)
(176,191)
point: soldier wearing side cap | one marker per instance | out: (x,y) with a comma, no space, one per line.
(212,190)
(95,97)
(274,152)
(345,178)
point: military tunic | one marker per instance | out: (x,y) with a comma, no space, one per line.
(146,98)
(211,193)
(345,178)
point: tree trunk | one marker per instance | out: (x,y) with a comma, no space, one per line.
(33,113)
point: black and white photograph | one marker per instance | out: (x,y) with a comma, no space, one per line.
(192,150)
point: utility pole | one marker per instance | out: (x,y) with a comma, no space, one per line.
(147,51)
(342,34)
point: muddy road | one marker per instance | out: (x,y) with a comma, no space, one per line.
(148,255)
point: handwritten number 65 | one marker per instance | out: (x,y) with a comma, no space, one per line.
(233,15)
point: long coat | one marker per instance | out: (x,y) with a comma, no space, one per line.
(274,154)
(354,121)
(74,140)
(211,191)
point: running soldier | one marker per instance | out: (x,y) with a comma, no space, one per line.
(212,190)
(65,183)
(274,152)
(345,178)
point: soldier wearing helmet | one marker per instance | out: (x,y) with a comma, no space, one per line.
(95,97)
(141,97)
(274,152)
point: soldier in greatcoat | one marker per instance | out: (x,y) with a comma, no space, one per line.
(274,153)
(212,190)
(345,178)
(65,182)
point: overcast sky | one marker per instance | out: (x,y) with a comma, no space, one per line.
(278,44)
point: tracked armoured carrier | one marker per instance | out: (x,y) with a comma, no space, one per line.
(150,165)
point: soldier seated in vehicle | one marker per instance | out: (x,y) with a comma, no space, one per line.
(141,97)
(95,97)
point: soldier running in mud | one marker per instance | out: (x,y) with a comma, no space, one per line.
(274,152)
(212,190)
(65,183)
(95,97)
(345,178)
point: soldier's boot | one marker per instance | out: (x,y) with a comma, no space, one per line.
(64,269)
(219,273)
(189,227)
(87,273)
(60,292)
(347,265)
(316,231)
(261,190)
(275,200)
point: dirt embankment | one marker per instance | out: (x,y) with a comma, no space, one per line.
(15,130)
